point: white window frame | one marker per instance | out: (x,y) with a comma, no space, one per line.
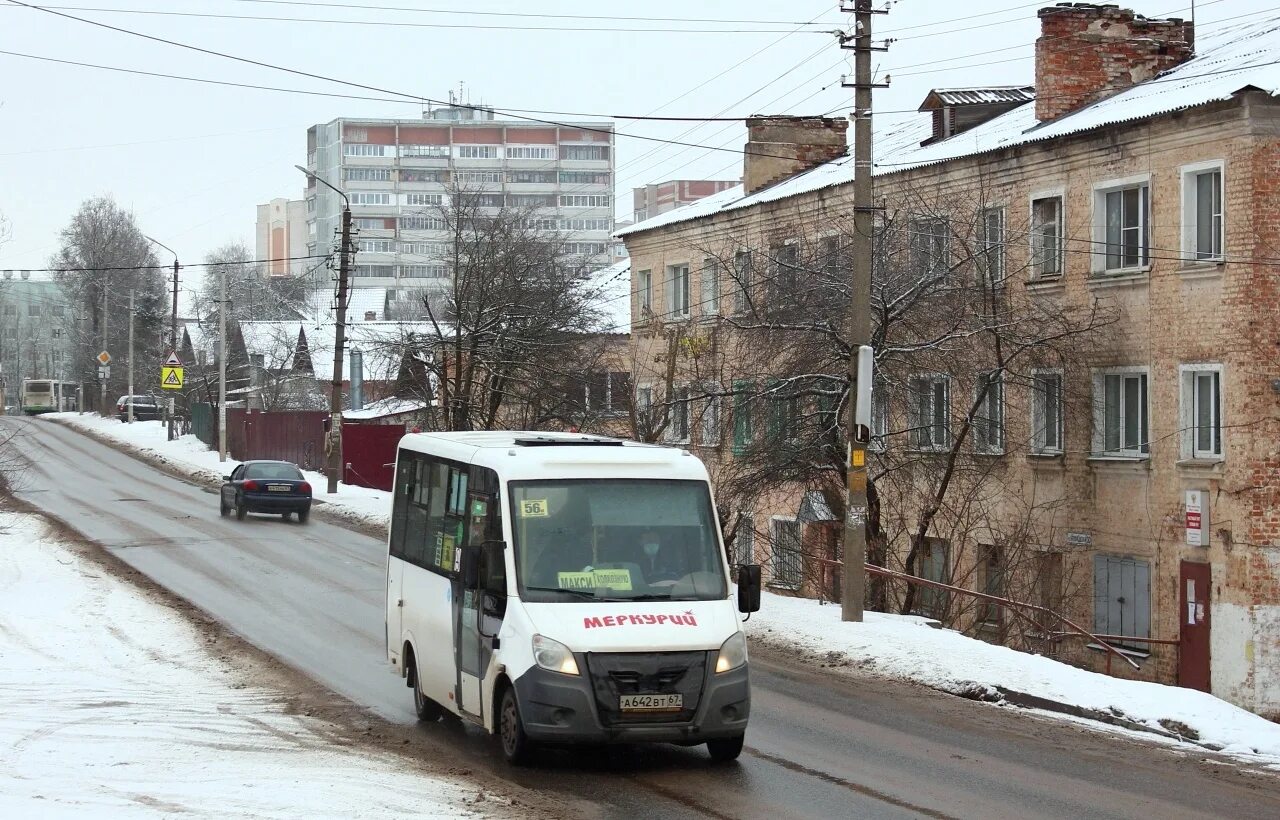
(917,424)
(423,199)
(994,400)
(1059,247)
(879,416)
(743,280)
(709,287)
(678,409)
(424,150)
(1189,400)
(709,423)
(678,295)
(1039,440)
(992,263)
(644,289)
(370,198)
(1142,451)
(477,151)
(1188,174)
(365,149)
(376,245)
(530,152)
(1100,246)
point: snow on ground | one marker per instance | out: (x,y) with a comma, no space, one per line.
(189,455)
(903,646)
(110,707)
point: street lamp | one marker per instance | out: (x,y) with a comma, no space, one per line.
(173,324)
(334,444)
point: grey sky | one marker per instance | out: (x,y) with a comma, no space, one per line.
(192,160)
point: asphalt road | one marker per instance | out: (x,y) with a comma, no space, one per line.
(818,746)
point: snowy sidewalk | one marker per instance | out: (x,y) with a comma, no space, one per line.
(895,646)
(110,707)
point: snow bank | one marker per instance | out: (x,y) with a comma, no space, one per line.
(189,456)
(109,707)
(907,647)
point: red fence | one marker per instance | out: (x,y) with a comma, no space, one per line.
(369,454)
(295,435)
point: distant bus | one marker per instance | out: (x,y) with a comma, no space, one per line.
(46,396)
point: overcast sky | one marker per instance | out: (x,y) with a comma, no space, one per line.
(192,161)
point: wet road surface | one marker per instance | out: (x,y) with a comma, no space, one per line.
(819,746)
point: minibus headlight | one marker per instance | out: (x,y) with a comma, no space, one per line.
(554,655)
(733,653)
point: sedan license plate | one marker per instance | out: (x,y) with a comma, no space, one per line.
(279,488)
(651,703)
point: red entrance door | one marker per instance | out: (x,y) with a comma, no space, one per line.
(1193,635)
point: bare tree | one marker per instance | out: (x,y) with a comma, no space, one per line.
(251,293)
(102,257)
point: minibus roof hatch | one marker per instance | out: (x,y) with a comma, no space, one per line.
(548,441)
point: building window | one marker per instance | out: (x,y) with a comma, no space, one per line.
(710,421)
(832,259)
(1201,411)
(879,415)
(930,412)
(370,199)
(424,151)
(742,274)
(678,291)
(782,413)
(583,248)
(678,427)
(744,541)
(991,256)
(487,200)
(709,298)
(531,177)
(585,201)
(583,224)
(531,200)
(375,246)
(783,276)
(786,562)
(531,152)
(422,223)
(988,421)
(933,564)
(929,241)
(743,423)
(366,223)
(584,178)
(424,199)
(1046,412)
(584,152)
(33,310)
(990,582)
(478,152)
(477,177)
(1122,598)
(374,271)
(1121,401)
(364,150)
(424,271)
(367,175)
(1124,226)
(1202,206)
(1046,237)
(644,289)
(424,248)
(605,392)
(55,311)
(423,175)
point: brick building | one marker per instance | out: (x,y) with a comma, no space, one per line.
(660,197)
(1137,190)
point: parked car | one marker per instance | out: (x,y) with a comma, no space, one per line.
(275,487)
(145,408)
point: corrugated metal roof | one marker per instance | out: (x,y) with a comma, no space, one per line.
(1238,57)
(979,96)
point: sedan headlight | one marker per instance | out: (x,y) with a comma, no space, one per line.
(553,655)
(733,653)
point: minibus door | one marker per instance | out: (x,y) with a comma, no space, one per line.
(477,627)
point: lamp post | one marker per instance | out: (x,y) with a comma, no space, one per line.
(173,323)
(334,466)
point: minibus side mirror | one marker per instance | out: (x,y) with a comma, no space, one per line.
(470,568)
(749,588)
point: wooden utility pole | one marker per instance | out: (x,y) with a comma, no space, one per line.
(855,517)
(339,340)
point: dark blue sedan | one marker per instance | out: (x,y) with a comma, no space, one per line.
(275,487)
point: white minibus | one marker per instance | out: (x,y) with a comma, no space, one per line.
(566,589)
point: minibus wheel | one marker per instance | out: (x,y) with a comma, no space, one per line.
(428,710)
(515,743)
(724,749)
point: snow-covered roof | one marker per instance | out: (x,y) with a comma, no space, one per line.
(390,406)
(380,343)
(610,290)
(1234,59)
(980,96)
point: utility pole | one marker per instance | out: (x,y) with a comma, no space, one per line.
(102,379)
(334,466)
(222,363)
(129,401)
(855,518)
(173,328)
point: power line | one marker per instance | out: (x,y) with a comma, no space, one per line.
(169,267)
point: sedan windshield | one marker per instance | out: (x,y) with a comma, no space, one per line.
(269,471)
(619,539)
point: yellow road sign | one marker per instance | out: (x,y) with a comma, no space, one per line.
(171,378)
(104,358)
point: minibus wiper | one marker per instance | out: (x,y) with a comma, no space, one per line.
(648,597)
(581,593)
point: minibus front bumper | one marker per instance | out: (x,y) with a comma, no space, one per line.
(573,709)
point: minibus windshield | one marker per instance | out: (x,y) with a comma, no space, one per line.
(616,540)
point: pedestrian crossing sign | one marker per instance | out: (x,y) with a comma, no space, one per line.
(171,378)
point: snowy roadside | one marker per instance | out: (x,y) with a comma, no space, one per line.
(110,706)
(189,456)
(895,646)
(907,647)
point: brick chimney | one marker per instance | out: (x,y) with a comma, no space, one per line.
(781,147)
(1087,52)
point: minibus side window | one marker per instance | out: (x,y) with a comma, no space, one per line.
(406,479)
(415,534)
